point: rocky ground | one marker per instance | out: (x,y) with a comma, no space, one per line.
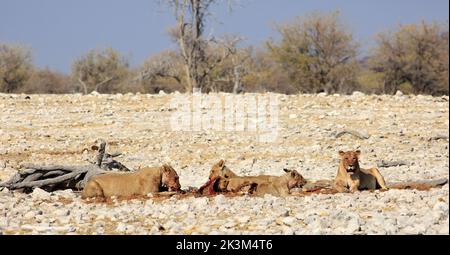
(51,129)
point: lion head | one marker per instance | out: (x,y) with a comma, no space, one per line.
(221,184)
(221,170)
(170,178)
(295,179)
(349,160)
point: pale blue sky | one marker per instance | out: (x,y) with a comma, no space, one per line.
(61,30)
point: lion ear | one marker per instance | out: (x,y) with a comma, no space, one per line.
(341,153)
(166,168)
(358,152)
(221,163)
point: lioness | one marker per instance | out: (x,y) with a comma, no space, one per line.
(280,185)
(234,183)
(221,170)
(351,176)
(142,182)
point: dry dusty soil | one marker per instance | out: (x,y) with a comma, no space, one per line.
(54,129)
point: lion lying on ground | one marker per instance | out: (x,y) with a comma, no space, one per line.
(350,177)
(141,182)
(278,185)
(235,183)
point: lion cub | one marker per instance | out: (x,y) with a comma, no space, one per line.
(280,185)
(141,182)
(351,177)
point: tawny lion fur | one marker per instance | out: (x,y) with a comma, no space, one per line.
(141,182)
(280,185)
(350,177)
(234,182)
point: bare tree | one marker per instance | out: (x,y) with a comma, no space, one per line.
(318,52)
(191,16)
(225,64)
(15,66)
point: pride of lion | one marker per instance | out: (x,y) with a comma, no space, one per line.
(349,178)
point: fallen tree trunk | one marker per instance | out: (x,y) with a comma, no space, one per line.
(56,177)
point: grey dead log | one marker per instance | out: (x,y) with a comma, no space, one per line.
(419,185)
(32,177)
(55,177)
(355,133)
(38,184)
(438,137)
(31,168)
(387,164)
(16,178)
(54,173)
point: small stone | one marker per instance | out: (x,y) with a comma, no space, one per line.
(390,228)
(244,219)
(130,229)
(62,212)
(358,94)
(292,116)
(289,221)
(287,231)
(399,93)
(230,224)
(441,206)
(121,227)
(29,215)
(353,226)
(39,194)
(68,194)
(220,199)
(201,203)
(204,229)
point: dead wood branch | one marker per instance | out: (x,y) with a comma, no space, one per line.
(353,133)
(438,137)
(419,185)
(54,177)
(387,164)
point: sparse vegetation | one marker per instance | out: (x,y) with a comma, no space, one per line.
(318,53)
(315,53)
(413,58)
(47,81)
(15,66)
(100,70)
